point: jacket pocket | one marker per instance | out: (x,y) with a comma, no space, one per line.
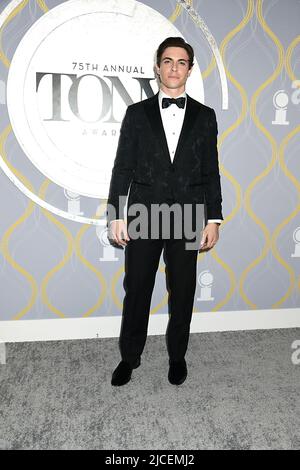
(143,183)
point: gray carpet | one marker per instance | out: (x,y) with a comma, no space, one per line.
(242,392)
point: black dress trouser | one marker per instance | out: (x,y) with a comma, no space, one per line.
(142,258)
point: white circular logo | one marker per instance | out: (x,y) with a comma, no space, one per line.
(72,76)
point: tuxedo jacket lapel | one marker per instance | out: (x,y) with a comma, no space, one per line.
(153,113)
(154,116)
(190,116)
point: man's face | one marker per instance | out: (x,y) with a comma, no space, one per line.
(174,68)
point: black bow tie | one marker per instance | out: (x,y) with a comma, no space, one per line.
(166,102)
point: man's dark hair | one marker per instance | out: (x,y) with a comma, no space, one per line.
(175,42)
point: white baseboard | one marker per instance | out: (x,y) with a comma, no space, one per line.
(109,327)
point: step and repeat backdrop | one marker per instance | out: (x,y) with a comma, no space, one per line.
(68,70)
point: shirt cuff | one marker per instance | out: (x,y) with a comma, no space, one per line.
(216,221)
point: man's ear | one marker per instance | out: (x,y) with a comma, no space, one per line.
(157,70)
(190,71)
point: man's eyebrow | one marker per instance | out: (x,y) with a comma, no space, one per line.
(186,60)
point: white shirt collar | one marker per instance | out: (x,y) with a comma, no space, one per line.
(162,94)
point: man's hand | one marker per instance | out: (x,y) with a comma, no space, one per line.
(210,236)
(118,231)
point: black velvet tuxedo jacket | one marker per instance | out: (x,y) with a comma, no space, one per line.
(143,161)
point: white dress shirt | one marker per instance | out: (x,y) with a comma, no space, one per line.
(172,119)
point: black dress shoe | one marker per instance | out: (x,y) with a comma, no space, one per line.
(177,372)
(122,374)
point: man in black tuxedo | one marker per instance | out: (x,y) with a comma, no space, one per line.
(167,153)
